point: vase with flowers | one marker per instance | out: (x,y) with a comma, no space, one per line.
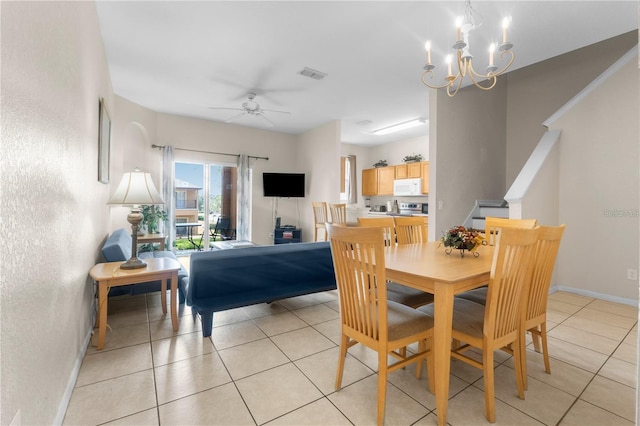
(462,239)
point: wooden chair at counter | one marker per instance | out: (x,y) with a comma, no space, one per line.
(366,316)
(497,324)
(338,213)
(410,229)
(320,218)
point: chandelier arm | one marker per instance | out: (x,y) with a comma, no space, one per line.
(506,67)
(451,95)
(462,65)
(433,86)
(473,74)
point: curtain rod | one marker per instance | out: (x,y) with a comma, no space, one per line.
(211,152)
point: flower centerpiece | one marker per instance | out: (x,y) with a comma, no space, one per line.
(462,239)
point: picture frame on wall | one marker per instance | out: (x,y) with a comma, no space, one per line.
(104,142)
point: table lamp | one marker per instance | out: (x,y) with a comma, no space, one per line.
(135,188)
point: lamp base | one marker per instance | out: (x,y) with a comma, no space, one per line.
(133,263)
(134,218)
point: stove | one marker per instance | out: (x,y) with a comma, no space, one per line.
(409,208)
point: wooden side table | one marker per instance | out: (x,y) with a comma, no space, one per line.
(109,275)
(152,238)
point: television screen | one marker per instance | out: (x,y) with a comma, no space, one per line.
(283,184)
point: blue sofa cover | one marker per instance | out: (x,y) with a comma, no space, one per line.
(117,248)
(227,279)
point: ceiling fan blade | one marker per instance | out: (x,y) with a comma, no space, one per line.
(266,120)
(230,109)
(273,110)
(230,119)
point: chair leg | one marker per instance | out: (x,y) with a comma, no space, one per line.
(382,385)
(431,368)
(522,345)
(536,340)
(489,385)
(545,349)
(344,344)
(519,359)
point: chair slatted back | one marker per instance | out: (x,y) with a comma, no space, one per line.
(320,212)
(387,225)
(358,259)
(510,274)
(411,229)
(338,213)
(545,257)
(493,224)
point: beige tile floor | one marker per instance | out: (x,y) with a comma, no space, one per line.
(275,364)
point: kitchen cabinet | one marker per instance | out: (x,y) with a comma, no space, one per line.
(378,181)
(370,182)
(386,175)
(401,171)
(424,171)
(414,170)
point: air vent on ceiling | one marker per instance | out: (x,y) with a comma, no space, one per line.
(363,122)
(308,72)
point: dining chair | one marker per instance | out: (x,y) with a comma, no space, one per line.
(366,316)
(497,324)
(492,229)
(535,320)
(493,224)
(396,292)
(338,213)
(320,218)
(410,229)
(387,225)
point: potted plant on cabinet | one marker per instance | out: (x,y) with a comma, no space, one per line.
(413,158)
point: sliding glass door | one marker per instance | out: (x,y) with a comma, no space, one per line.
(200,188)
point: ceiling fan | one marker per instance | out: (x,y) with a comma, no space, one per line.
(251,108)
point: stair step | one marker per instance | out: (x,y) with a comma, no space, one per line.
(494,211)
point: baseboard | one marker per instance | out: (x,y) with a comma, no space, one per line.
(73,378)
(601,296)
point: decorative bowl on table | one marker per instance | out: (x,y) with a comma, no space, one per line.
(462,239)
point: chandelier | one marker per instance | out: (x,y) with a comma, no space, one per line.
(464,25)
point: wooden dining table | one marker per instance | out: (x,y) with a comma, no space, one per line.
(426,266)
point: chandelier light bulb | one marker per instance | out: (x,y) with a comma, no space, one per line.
(448,60)
(459,21)
(505,27)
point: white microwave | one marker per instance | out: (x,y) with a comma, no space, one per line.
(407,187)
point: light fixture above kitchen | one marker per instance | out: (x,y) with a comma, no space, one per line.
(400,126)
(464,25)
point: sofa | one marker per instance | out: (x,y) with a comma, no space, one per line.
(117,248)
(227,279)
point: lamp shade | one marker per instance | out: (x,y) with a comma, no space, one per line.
(136,188)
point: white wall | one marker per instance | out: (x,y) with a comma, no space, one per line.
(394,152)
(54,212)
(599,174)
(537,91)
(319,155)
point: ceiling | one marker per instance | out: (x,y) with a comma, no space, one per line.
(181,58)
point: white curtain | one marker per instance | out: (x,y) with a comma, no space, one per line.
(168,181)
(243,227)
(352,192)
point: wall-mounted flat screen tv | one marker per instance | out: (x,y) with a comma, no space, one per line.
(283,184)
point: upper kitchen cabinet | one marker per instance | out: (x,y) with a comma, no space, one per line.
(378,181)
(424,171)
